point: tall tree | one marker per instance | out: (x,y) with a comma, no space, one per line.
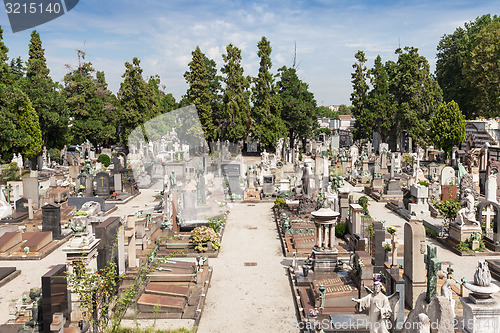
(483,70)
(236,99)
(359,99)
(454,54)
(299,111)
(267,125)
(199,92)
(447,126)
(17,69)
(46,95)
(92,118)
(416,93)
(137,102)
(380,102)
(19,126)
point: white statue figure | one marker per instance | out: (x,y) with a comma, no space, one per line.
(380,310)
(467,213)
(354,153)
(265,159)
(448,293)
(5,208)
(424,323)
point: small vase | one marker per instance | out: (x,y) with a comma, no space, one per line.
(305,270)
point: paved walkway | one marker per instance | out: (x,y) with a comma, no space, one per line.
(249,298)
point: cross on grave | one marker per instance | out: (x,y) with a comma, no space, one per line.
(433,265)
(29,205)
(488,214)
(7,191)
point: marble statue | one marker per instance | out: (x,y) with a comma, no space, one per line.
(466,215)
(482,276)
(5,208)
(379,308)
(424,323)
(448,293)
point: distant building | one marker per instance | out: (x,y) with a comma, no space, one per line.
(481,131)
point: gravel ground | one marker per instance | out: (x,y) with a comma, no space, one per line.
(249,298)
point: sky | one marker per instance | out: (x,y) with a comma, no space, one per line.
(325,35)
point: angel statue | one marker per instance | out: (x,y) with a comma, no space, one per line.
(382,309)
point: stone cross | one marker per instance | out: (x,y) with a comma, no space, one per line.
(433,265)
(29,205)
(7,191)
(394,244)
(488,213)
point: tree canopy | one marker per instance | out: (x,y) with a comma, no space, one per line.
(267,124)
(299,106)
(447,126)
(235,120)
(47,97)
(459,56)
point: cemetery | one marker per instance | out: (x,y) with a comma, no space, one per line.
(327,210)
(246,206)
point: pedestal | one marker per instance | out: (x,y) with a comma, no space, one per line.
(325,260)
(480,315)
(462,233)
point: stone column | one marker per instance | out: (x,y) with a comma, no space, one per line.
(332,236)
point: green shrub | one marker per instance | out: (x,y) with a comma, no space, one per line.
(426,184)
(104,159)
(448,208)
(363,202)
(55,155)
(280,202)
(340,230)
(216,223)
(430,232)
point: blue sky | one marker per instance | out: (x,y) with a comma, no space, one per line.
(162,34)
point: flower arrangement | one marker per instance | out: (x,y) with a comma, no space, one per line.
(82,187)
(314,312)
(205,234)
(391,230)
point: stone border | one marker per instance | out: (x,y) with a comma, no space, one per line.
(58,244)
(201,302)
(10,277)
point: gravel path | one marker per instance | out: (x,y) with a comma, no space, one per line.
(249,298)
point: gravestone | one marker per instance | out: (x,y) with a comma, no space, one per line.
(355,219)
(54,295)
(107,250)
(420,208)
(118,182)
(31,190)
(21,205)
(268,185)
(201,193)
(379,238)
(103,184)
(231,173)
(448,176)
(74,171)
(51,219)
(414,265)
